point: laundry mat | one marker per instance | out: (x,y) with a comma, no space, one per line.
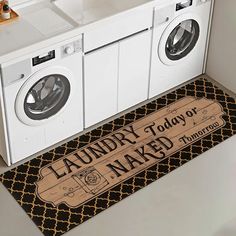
(74,182)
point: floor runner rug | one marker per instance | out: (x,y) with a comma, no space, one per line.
(63,188)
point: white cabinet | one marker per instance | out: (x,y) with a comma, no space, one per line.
(134,64)
(116,77)
(130,23)
(100,84)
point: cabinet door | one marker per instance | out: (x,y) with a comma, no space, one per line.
(100,81)
(134,65)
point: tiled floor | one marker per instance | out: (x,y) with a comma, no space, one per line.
(198,199)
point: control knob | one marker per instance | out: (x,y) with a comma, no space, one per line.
(69,50)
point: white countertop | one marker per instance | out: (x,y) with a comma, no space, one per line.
(41,24)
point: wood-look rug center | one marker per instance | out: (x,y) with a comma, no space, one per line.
(68,185)
(78,177)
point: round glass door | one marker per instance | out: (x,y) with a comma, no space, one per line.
(182,39)
(46,97)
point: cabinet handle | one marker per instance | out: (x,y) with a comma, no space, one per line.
(117,41)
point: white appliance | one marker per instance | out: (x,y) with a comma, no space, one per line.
(179,43)
(43,99)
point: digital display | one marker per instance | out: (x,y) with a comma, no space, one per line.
(41,59)
(184,4)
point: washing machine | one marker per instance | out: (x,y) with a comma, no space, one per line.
(179,43)
(43,98)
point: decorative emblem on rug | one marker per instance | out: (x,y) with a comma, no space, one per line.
(90,180)
(99,166)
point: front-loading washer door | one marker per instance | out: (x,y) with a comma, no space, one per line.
(44,95)
(47,97)
(179,39)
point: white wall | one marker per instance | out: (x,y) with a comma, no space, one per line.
(222,52)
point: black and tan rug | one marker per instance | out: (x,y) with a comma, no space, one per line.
(74,182)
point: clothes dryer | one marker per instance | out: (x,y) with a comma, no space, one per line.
(179,43)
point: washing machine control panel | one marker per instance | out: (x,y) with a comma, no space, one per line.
(71,48)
